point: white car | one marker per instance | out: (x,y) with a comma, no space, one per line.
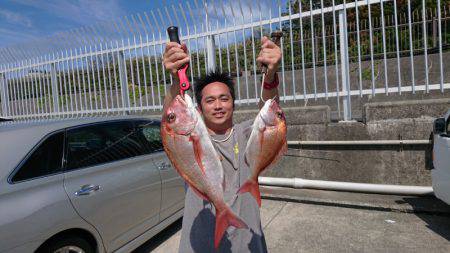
(440,174)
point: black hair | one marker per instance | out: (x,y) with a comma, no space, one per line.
(211,77)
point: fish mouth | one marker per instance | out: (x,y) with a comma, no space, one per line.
(181,99)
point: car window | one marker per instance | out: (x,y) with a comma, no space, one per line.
(150,132)
(46,159)
(102,143)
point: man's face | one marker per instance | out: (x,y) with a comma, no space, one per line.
(217,106)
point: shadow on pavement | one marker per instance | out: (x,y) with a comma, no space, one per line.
(434,212)
(160,238)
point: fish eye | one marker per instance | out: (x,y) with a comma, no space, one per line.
(171,117)
(280,115)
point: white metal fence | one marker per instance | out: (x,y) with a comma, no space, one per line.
(331,50)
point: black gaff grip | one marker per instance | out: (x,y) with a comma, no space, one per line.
(172,31)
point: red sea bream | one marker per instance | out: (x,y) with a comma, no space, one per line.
(266,145)
(189,148)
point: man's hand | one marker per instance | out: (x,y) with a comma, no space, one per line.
(174,57)
(270,55)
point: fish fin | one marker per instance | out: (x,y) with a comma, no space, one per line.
(261,139)
(252,187)
(282,152)
(284,149)
(201,195)
(198,152)
(224,219)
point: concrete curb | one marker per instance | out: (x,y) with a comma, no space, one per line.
(392,203)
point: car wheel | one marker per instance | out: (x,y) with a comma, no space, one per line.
(69,245)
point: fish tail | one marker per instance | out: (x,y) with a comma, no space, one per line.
(224,219)
(252,187)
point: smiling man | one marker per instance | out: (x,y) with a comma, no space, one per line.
(215,98)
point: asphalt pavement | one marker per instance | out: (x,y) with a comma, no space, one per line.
(327,221)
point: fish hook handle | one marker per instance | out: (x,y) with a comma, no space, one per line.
(172,31)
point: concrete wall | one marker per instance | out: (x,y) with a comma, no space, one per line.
(404,165)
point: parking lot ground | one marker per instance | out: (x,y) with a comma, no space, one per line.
(326,221)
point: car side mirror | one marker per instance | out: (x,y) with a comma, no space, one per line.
(439,126)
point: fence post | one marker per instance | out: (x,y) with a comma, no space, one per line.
(55,92)
(211,52)
(123,82)
(210,45)
(346,98)
(4,95)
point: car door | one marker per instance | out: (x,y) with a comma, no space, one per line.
(441,159)
(111,181)
(33,203)
(172,188)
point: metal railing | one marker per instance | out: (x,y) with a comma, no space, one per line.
(331,50)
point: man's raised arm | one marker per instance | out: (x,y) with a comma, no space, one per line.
(270,55)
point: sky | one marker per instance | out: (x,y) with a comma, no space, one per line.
(23,21)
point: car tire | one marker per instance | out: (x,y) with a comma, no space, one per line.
(71,244)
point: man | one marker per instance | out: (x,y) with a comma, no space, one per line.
(215,97)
